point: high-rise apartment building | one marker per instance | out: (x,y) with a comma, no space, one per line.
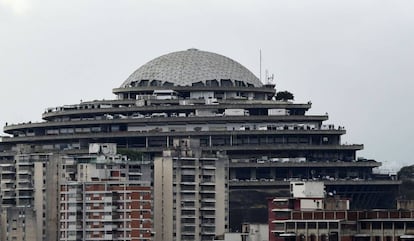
(190,193)
(24,187)
(102,197)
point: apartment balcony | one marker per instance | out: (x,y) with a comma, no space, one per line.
(192,223)
(188,191)
(208,189)
(24,163)
(188,233)
(7,187)
(208,224)
(7,171)
(24,171)
(25,187)
(188,208)
(188,172)
(73,227)
(188,167)
(207,208)
(91,228)
(209,216)
(24,196)
(281,210)
(74,209)
(7,180)
(7,165)
(9,196)
(208,231)
(74,200)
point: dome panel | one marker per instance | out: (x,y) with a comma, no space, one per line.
(184,68)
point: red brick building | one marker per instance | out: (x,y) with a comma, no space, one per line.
(301,219)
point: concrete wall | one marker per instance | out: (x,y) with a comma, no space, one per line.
(18,224)
(52,198)
(39,202)
(163,197)
(307,189)
(222,199)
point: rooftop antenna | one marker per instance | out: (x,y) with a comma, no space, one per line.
(260,65)
(269,79)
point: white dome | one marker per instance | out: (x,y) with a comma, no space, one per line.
(186,68)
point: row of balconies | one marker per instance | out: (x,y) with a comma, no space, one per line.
(160,129)
(116,105)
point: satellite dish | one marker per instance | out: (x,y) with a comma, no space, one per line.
(94,148)
(105,149)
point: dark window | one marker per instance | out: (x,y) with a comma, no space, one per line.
(399,225)
(323,225)
(376,225)
(364,225)
(387,225)
(301,225)
(333,225)
(290,225)
(312,225)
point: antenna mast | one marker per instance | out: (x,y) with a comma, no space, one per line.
(260,63)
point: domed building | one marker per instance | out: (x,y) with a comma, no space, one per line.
(201,95)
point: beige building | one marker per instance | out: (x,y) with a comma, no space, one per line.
(18,224)
(190,194)
(23,188)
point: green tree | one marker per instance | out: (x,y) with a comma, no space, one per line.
(131,154)
(406,172)
(406,175)
(284,95)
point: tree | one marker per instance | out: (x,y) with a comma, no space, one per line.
(131,154)
(406,175)
(406,172)
(284,95)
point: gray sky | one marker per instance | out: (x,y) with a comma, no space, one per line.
(353,59)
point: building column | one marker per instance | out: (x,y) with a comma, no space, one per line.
(232,174)
(253,173)
(273,173)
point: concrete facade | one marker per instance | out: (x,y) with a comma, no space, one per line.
(18,224)
(190,194)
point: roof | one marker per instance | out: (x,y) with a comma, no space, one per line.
(186,68)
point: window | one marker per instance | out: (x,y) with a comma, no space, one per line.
(376,225)
(323,225)
(290,225)
(333,225)
(301,225)
(387,225)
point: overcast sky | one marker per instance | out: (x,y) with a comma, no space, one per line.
(353,59)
